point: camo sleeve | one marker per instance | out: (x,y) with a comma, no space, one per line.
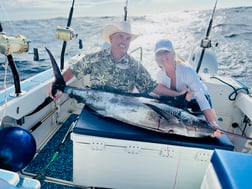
(144,81)
(79,65)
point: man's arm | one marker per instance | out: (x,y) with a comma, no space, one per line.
(68,74)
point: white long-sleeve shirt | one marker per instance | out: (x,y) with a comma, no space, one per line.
(186,77)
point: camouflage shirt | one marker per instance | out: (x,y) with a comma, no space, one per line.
(107,74)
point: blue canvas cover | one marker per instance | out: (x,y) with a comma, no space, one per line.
(93,125)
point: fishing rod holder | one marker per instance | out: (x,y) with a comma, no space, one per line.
(65,34)
(205,43)
(10,45)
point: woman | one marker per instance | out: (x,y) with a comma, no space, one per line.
(180,77)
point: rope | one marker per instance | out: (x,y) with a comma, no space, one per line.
(4,89)
(235,92)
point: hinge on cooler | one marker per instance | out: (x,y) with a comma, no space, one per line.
(98,146)
(167,152)
(203,156)
(133,149)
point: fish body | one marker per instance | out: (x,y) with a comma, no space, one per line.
(138,111)
(125,108)
(194,126)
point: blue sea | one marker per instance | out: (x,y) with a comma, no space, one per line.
(231,30)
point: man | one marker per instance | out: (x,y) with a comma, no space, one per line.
(113,69)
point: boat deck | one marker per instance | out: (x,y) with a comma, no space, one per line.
(61,167)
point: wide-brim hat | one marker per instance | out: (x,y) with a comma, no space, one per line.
(123,26)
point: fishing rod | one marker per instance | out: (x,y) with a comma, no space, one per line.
(42,174)
(206,42)
(64,42)
(65,34)
(234,134)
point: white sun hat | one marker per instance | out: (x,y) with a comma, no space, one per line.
(123,26)
(164,44)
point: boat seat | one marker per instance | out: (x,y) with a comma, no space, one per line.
(234,169)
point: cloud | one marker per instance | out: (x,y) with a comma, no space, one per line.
(27,9)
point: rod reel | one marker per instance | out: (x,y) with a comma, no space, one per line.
(10,44)
(65,34)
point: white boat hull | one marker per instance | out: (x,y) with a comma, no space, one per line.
(49,119)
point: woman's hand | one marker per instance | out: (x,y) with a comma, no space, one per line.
(188,93)
(217,132)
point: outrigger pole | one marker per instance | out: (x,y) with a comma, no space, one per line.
(125,10)
(206,42)
(64,42)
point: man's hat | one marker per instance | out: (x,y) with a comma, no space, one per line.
(123,26)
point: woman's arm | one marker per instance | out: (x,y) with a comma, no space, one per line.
(212,119)
(162,90)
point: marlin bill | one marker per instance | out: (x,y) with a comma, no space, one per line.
(138,111)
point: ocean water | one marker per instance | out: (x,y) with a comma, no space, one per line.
(231,30)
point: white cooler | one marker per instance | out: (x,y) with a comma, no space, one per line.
(9,176)
(110,154)
(10,179)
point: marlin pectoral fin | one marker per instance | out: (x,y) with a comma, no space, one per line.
(163,114)
(177,101)
(59,83)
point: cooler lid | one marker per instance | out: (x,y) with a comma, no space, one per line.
(91,124)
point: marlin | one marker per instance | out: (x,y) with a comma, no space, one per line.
(136,110)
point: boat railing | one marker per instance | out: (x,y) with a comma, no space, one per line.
(140,53)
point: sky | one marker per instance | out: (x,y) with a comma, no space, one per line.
(36,9)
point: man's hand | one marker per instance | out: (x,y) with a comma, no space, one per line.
(54,93)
